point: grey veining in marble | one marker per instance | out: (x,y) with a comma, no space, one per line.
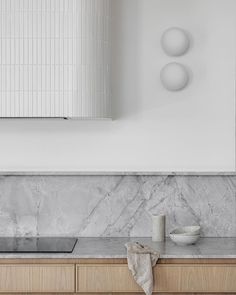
(115,206)
(115,248)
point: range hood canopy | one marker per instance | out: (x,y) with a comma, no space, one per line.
(55,59)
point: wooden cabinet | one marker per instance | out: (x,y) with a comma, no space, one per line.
(36,278)
(195,278)
(168,278)
(105,278)
(111,276)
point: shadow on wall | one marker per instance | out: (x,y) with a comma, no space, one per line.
(125,55)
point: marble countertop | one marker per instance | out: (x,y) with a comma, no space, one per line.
(114,248)
(16,172)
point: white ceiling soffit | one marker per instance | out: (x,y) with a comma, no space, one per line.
(55,59)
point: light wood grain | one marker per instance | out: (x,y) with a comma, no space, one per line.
(37,278)
(167,279)
(120,293)
(105,278)
(195,278)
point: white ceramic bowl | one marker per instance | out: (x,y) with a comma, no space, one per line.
(187,231)
(183,240)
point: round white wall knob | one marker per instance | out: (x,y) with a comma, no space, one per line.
(174,77)
(175,42)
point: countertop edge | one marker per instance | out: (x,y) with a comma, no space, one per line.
(71,257)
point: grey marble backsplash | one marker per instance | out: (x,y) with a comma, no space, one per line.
(115,206)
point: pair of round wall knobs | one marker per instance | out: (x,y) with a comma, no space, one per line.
(175,42)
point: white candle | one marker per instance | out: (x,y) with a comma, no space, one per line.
(158,228)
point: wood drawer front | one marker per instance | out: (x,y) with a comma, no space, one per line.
(195,278)
(105,278)
(167,279)
(37,278)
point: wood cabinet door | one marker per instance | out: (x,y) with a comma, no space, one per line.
(33,278)
(195,278)
(105,278)
(181,278)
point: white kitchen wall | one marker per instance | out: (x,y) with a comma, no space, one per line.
(153,130)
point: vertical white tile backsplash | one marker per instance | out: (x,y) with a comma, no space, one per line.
(51,55)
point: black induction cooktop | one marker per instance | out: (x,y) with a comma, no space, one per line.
(37,245)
